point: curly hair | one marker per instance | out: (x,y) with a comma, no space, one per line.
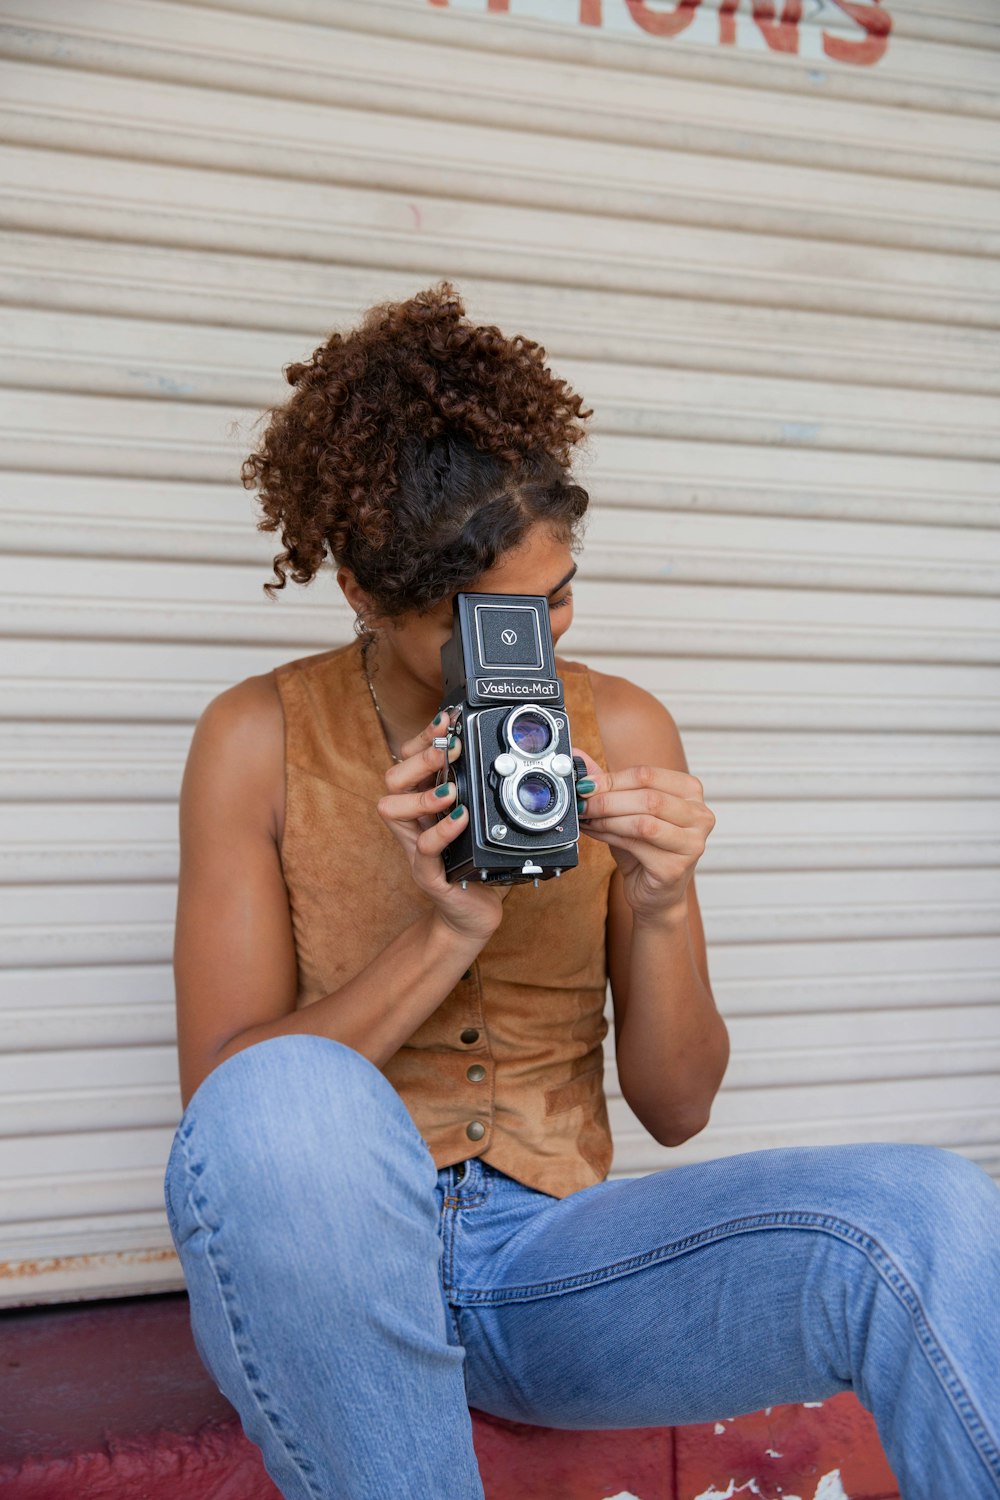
(417,449)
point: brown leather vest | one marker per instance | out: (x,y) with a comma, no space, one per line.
(532,1004)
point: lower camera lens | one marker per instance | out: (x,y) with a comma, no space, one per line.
(536,793)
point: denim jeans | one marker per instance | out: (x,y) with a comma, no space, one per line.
(352,1301)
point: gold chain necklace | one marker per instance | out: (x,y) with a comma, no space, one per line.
(371,688)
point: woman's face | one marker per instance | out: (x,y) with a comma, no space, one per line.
(543,564)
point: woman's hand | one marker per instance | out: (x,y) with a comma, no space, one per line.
(412,811)
(656,824)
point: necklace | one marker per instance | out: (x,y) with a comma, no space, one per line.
(371,689)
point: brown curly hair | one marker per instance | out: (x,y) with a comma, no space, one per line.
(417,449)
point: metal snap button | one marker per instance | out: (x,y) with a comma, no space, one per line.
(476,1073)
(475,1130)
(467,974)
(470,1035)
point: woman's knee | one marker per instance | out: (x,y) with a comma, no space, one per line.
(297,1104)
(913,1197)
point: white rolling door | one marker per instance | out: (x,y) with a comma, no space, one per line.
(767,259)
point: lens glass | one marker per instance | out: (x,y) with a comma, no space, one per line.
(536,793)
(531,732)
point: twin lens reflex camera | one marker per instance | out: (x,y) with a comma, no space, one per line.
(515,774)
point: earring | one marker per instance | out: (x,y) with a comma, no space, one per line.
(364,633)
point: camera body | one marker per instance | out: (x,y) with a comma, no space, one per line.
(516,773)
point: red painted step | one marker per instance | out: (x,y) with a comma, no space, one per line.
(109,1401)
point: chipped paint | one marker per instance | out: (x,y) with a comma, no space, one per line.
(830,1487)
(625,1495)
(750,1488)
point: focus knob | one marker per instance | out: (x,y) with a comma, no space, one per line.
(506,765)
(562,765)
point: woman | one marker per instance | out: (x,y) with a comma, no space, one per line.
(377,1231)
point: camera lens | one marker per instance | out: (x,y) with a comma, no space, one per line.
(531,732)
(536,793)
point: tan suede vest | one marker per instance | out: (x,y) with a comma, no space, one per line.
(517,1044)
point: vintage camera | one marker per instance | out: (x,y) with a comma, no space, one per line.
(515,774)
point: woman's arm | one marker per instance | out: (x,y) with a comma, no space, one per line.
(671,1043)
(234,953)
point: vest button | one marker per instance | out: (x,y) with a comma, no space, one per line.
(470,1035)
(475,1130)
(476,1073)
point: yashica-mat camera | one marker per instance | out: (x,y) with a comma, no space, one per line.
(516,773)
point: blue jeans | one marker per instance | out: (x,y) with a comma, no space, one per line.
(352,1301)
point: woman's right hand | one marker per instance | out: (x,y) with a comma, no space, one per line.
(412,811)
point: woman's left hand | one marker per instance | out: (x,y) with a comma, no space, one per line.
(656,824)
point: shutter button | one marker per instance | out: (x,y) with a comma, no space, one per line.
(470,1035)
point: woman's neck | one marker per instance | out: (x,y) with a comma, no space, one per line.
(405,705)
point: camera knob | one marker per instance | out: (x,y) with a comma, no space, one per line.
(562,765)
(505,765)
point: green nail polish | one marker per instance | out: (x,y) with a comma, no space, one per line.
(452,741)
(437,718)
(457,812)
(586,785)
(444,790)
(581,806)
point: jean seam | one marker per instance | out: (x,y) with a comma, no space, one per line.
(197,1204)
(172,1222)
(790,1219)
(475,1202)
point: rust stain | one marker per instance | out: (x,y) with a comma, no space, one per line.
(15,1269)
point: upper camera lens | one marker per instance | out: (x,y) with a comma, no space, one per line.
(536,793)
(531,732)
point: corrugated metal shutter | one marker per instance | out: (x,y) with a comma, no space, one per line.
(765,254)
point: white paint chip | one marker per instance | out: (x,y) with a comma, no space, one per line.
(625,1495)
(831,1488)
(750,1488)
(719,1428)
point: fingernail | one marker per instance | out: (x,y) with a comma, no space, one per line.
(457,812)
(586,785)
(452,741)
(581,806)
(444,790)
(437,718)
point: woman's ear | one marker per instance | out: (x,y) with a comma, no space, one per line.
(353,592)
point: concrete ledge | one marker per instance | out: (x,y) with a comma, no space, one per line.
(108,1400)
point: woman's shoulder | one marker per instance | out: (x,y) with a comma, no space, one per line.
(611,693)
(241,733)
(628,716)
